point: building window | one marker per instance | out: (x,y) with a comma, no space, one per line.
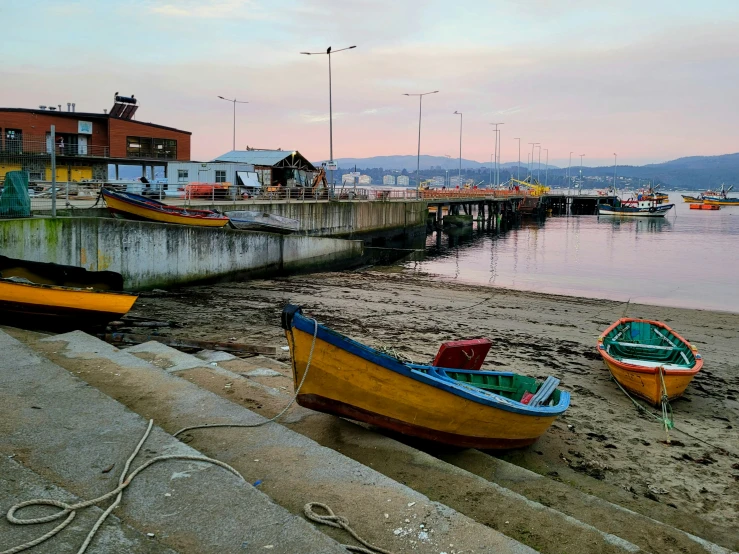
(220,176)
(147,147)
(14,141)
(183,175)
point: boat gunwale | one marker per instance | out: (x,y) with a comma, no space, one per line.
(485,398)
(161,207)
(70,289)
(645,369)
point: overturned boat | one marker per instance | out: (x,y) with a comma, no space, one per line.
(262,221)
(465,408)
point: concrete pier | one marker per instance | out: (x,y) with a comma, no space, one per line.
(152,255)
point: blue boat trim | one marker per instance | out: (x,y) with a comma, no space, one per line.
(434,377)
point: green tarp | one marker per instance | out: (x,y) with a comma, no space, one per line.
(14,201)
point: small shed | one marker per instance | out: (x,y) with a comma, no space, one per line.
(287,168)
(236,174)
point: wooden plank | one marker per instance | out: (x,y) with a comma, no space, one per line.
(637,345)
(233,347)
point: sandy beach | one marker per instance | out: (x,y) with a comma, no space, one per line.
(603,442)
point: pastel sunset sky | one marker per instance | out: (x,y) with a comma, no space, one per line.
(652,80)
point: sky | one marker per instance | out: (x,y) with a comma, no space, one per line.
(650,80)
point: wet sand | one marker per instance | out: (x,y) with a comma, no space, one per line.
(602,440)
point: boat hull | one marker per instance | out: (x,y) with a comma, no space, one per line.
(722,202)
(709,207)
(691,199)
(646,382)
(134,210)
(60,307)
(659,211)
(644,379)
(350,384)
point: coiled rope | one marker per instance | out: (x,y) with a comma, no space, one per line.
(265,422)
(70,510)
(330,518)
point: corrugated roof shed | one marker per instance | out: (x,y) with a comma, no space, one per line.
(268,158)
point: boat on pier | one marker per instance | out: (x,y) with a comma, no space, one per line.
(134,206)
(54,296)
(649,359)
(261,221)
(464,408)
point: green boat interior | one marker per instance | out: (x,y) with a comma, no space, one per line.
(643,343)
(507,385)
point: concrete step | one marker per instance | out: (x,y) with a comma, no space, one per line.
(565,517)
(293,469)
(18,482)
(72,434)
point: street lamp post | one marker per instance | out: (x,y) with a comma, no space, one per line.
(328,52)
(581,157)
(497,153)
(615,163)
(538,171)
(418,158)
(569,174)
(491,170)
(546,169)
(518,169)
(460,147)
(234,102)
(531,165)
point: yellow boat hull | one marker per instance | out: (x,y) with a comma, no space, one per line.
(721,202)
(648,385)
(85,308)
(351,386)
(128,209)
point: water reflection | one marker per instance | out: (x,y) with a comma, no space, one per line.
(601,257)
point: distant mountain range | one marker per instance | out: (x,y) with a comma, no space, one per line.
(399,163)
(693,172)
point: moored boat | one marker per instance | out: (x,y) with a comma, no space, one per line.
(134,206)
(644,208)
(692,199)
(59,296)
(704,207)
(252,220)
(649,359)
(721,201)
(465,408)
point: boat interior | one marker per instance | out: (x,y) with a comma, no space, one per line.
(41,273)
(646,344)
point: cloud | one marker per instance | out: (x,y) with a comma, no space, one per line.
(212,9)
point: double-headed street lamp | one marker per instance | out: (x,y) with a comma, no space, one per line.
(460,146)
(497,153)
(418,158)
(234,102)
(328,52)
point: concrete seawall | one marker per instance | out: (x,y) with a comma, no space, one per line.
(341,219)
(156,255)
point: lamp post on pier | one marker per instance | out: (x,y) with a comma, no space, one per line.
(531,166)
(418,158)
(569,177)
(328,53)
(497,153)
(581,157)
(546,169)
(460,146)
(234,102)
(518,168)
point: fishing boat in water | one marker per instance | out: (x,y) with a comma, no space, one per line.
(465,408)
(649,359)
(53,296)
(134,206)
(645,203)
(704,207)
(692,199)
(721,198)
(261,221)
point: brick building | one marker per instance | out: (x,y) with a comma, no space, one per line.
(85,143)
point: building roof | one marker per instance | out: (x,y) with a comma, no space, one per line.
(268,158)
(88,115)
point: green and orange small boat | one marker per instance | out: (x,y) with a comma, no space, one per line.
(649,359)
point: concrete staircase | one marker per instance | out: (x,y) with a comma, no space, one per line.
(395,495)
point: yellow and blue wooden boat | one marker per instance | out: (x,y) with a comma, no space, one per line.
(649,359)
(465,408)
(134,206)
(53,296)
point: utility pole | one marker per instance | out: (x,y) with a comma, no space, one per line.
(460,147)
(581,157)
(234,101)
(497,153)
(569,173)
(546,169)
(518,172)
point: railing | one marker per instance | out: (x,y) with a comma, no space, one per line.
(38,146)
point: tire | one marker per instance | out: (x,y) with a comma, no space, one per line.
(652,210)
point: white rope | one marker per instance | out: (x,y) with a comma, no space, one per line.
(278,416)
(342,523)
(71,509)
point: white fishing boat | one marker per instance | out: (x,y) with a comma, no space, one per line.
(647,203)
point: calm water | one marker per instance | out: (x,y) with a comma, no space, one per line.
(688,259)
